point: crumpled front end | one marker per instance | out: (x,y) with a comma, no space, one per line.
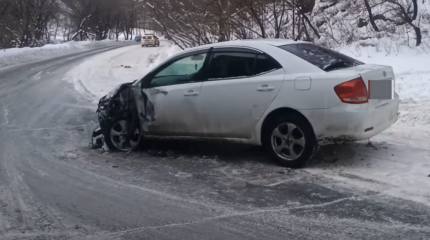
(119,104)
(128,103)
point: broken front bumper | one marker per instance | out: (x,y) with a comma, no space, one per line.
(95,135)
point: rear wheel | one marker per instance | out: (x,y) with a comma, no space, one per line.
(115,137)
(290,140)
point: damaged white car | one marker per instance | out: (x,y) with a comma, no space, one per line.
(285,95)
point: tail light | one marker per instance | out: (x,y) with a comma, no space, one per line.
(353,91)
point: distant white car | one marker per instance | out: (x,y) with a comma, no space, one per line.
(150,40)
(284,95)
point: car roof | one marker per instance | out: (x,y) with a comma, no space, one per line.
(269,41)
(253,43)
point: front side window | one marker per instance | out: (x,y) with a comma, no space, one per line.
(184,70)
(324,58)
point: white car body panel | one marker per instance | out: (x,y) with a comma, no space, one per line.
(247,99)
(176,109)
(234,110)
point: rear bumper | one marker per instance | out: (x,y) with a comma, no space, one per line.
(149,43)
(349,122)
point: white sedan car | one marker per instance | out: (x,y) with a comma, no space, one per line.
(285,95)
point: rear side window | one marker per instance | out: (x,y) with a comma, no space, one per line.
(265,64)
(324,58)
(240,64)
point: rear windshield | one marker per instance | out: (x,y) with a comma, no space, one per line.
(324,58)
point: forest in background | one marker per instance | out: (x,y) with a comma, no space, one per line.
(32,23)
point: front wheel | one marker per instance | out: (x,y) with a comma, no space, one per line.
(290,140)
(115,137)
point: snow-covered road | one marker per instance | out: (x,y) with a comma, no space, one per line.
(14,56)
(397,162)
(52,186)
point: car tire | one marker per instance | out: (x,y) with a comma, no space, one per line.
(290,140)
(112,137)
(143,45)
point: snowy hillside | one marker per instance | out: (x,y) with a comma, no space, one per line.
(347,21)
(333,23)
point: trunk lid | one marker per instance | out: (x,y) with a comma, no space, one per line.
(379,80)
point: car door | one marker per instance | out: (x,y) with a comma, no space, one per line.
(171,93)
(241,85)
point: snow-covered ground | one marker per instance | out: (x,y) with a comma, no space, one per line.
(13,56)
(397,162)
(100,74)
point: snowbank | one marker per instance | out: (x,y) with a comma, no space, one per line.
(99,74)
(412,78)
(13,56)
(160,56)
(410,66)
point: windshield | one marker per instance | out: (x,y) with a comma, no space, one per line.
(324,58)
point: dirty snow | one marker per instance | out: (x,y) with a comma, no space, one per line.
(397,162)
(13,56)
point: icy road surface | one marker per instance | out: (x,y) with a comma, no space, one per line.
(52,186)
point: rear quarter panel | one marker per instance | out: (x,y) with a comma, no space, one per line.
(313,103)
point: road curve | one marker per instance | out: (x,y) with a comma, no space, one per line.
(52,186)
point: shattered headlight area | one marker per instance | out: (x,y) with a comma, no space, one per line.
(118,108)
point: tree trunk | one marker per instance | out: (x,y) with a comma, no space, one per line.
(371,19)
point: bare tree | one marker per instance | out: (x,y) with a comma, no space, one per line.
(407,14)
(191,23)
(371,18)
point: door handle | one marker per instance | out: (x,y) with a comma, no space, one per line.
(265,88)
(191,93)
